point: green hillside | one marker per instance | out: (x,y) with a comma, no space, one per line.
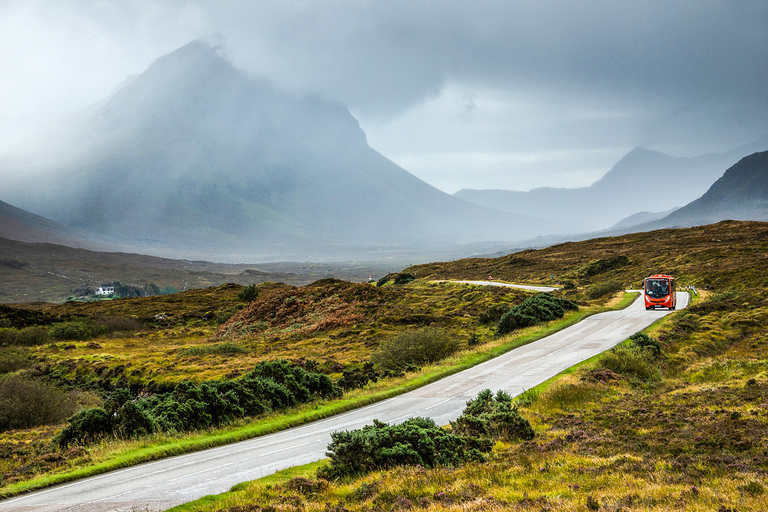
(678,428)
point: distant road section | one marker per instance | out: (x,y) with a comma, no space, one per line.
(161,484)
(509,285)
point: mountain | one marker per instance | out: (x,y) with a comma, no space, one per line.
(740,194)
(643,180)
(641,218)
(20,225)
(195,158)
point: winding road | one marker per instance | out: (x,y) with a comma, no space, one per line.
(162,484)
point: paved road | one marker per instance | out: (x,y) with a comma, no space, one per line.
(509,285)
(162,484)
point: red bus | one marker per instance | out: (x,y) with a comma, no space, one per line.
(659,292)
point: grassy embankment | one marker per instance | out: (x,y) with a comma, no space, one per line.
(689,435)
(194,336)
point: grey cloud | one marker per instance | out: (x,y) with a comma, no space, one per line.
(676,76)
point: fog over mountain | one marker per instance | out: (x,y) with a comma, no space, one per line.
(643,181)
(195,158)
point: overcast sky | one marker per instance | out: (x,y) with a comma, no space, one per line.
(471,94)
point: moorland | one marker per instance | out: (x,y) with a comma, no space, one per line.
(679,423)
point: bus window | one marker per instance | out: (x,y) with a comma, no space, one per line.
(657,288)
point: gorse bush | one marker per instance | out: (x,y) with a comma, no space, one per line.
(357,378)
(541,307)
(642,340)
(490,417)
(419,441)
(248,293)
(271,386)
(601,289)
(415,348)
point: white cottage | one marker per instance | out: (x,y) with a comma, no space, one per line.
(105,290)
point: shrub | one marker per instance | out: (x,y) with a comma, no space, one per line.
(631,361)
(13,359)
(642,340)
(493,314)
(417,441)
(28,336)
(541,307)
(273,385)
(490,417)
(357,378)
(415,347)
(84,427)
(119,324)
(75,331)
(601,289)
(404,278)
(248,294)
(26,402)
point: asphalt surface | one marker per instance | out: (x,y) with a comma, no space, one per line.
(161,484)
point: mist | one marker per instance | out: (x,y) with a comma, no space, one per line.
(485,95)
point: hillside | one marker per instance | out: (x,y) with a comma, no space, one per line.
(17,224)
(195,159)
(681,428)
(623,191)
(715,256)
(740,194)
(49,272)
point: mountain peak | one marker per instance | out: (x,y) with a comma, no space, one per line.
(195,154)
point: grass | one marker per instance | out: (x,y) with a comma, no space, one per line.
(111,455)
(680,444)
(692,440)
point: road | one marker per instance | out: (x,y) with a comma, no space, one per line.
(168,482)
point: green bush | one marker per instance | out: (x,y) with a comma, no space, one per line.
(85,427)
(248,293)
(13,359)
(417,441)
(490,417)
(542,307)
(28,336)
(357,378)
(274,385)
(601,289)
(642,340)
(415,348)
(26,402)
(631,361)
(75,331)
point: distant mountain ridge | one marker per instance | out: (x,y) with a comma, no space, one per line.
(20,225)
(193,157)
(740,194)
(633,185)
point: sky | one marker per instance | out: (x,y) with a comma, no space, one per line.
(476,94)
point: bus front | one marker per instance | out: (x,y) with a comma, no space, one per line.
(659,291)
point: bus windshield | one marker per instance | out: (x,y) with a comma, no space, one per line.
(657,288)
